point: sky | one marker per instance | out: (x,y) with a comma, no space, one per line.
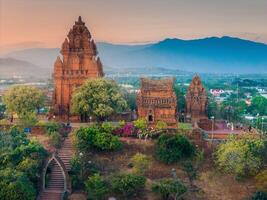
(47,22)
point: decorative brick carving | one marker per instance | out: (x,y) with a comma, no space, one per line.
(80,62)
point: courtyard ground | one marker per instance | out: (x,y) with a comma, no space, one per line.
(211,184)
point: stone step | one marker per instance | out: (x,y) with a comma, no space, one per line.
(51,195)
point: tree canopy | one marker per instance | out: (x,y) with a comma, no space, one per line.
(20,165)
(258,105)
(23,100)
(99,98)
(241,155)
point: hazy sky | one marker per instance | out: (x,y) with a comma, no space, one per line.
(46,22)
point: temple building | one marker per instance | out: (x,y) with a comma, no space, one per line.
(79,62)
(196,101)
(156,101)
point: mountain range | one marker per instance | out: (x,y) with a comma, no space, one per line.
(208,55)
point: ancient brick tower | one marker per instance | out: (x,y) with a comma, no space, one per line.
(80,62)
(196,101)
(156,101)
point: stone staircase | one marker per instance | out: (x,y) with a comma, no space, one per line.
(66,152)
(55,186)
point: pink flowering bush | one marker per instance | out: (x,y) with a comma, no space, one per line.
(126,131)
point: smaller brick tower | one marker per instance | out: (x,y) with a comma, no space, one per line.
(156,101)
(196,101)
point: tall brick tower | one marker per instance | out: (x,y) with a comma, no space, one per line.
(80,62)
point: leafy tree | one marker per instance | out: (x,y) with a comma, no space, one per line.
(233,110)
(24,101)
(20,165)
(99,98)
(130,98)
(172,148)
(96,187)
(213,108)
(180,94)
(258,106)
(242,156)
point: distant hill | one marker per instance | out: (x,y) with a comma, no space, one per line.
(208,55)
(10,67)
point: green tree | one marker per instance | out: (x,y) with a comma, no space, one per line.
(258,106)
(99,98)
(180,91)
(24,101)
(233,110)
(130,98)
(20,165)
(213,109)
(242,156)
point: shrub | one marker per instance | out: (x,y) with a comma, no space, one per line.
(126,130)
(91,138)
(106,141)
(191,171)
(261,181)
(96,187)
(15,185)
(259,196)
(122,123)
(128,185)
(75,172)
(172,148)
(107,127)
(242,156)
(85,138)
(55,139)
(140,163)
(141,124)
(52,126)
(161,125)
(168,188)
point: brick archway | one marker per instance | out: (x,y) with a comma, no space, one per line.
(67,183)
